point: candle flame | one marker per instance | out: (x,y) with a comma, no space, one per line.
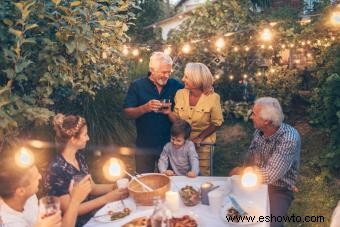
(249,178)
(24,157)
(115,169)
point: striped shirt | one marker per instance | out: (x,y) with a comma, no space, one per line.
(277,156)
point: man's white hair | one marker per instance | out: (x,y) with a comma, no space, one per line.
(159,57)
(270,110)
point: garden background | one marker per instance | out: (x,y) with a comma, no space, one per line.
(78,57)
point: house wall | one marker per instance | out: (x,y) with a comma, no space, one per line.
(168,25)
(190,4)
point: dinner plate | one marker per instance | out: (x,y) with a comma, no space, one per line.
(247,205)
(103,214)
(181,212)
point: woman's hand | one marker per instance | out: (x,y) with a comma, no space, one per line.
(80,191)
(169,173)
(191,174)
(49,221)
(117,194)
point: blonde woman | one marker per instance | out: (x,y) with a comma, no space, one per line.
(199,105)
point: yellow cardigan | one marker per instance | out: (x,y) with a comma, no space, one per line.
(207,111)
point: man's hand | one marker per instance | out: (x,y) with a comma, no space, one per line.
(49,221)
(153,105)
(169,173)
(236,171)
(191,174)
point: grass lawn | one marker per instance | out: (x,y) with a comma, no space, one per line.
(318,190)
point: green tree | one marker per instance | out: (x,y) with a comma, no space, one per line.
(147,13)
(48,45)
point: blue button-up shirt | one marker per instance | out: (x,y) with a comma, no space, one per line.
(153,129)
(277,156)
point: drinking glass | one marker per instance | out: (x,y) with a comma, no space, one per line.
(166,104)
(49,205)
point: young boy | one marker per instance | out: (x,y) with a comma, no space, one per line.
(179,156)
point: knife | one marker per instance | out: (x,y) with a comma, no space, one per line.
(237,206)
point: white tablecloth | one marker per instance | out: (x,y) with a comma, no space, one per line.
(207,218)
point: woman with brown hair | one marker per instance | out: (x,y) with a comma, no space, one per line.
(71,136)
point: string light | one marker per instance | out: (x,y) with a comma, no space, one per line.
(245,76)
(125,50)
(259,74)
(220,43)
(270,47)
(266,35)
(141,60)
(135,52)
(283,46)
(186,48)
(231,77)
(272,70)
(246,48)
(309,55)
(235,49)
(263,46)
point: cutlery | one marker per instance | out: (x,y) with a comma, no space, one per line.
(237,206)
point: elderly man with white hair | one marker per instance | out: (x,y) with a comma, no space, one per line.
(143,104)
(275,152)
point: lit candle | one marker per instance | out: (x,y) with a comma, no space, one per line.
(114,168)
(24,157)
(249,178)
(172,200)
(205,189)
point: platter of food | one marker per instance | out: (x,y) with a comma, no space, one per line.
(189,195)
(115,211)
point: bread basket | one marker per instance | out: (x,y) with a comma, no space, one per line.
(160,184)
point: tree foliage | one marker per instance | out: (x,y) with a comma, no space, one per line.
(48,45)
(218,18)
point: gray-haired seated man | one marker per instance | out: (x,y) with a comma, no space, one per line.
(275,152)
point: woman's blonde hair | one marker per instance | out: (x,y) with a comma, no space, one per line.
(200,75)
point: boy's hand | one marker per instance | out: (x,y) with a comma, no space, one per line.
(191,174)
(169,173)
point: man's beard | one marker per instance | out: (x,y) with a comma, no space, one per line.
(161,82)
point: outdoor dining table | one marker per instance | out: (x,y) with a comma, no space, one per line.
(206,218)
